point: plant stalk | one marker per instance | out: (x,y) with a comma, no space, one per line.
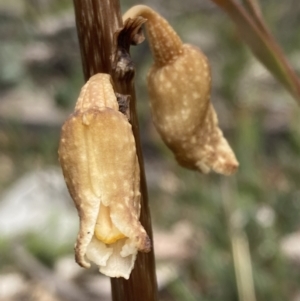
(97,21)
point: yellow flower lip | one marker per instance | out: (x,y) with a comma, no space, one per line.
(110,238)
(105,230)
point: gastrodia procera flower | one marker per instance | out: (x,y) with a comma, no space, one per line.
(98,157)
(179,84)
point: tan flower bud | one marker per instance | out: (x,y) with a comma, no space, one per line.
(98,157)
(179,85)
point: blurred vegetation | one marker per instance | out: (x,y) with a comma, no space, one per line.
(40,60)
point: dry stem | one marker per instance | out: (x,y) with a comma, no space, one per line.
(97,22)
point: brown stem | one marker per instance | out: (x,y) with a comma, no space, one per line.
(97,21)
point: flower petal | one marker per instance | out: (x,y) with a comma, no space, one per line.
(118,266)
(128,248)
(98,252)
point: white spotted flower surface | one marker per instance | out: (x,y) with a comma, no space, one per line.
(179,84)
(98,157)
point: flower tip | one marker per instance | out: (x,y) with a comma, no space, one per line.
(143,243)
(226,166)
(147,245)
(230,168)
(81,260)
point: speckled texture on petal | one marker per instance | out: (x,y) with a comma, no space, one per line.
(98,157)
(179,84)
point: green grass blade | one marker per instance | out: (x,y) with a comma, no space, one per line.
(256,35)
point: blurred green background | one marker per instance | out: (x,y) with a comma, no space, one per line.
(214,236)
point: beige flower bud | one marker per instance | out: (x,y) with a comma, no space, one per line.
(98,157)
(179,85)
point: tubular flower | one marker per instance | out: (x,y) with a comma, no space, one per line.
(179,84)
(98,157)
